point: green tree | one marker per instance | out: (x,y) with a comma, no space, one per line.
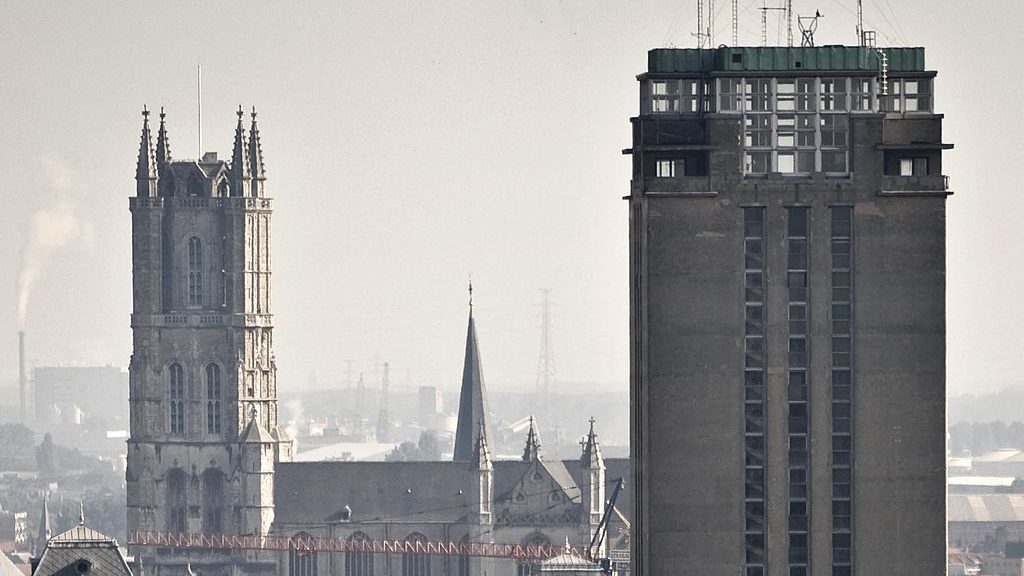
(44,457)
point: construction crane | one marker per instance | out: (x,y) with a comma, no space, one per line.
(309,544)
(602,527)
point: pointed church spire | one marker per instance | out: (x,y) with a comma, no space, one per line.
(531,452)
(163,145)
(44,528)
(481,455)
(591,456)
(256,167)
(473,408)
(241,174)
(145,171)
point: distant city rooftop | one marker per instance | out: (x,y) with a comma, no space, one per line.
(726,59)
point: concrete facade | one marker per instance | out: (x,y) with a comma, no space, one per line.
(743,478)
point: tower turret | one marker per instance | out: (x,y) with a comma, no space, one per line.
(256,472)
(593,490)
(256,168)
(484,485)
(163,145)
(241,169)
(531,452)
(145,171)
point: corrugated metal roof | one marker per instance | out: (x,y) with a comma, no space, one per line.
(783,59)
(985,507)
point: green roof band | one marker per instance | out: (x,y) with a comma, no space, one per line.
(782,59)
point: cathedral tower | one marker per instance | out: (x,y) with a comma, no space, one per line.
(203,389)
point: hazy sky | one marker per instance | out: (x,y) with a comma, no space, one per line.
(410,145)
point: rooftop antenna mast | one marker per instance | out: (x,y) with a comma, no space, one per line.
(860,22)
(807,31)
(735,23)
(789,23)
(764,22)
(710,35)
(199,100)
(700,24)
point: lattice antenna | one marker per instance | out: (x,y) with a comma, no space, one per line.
(807,30)
(789,22)
(764,23)
(546,359)
(711,24)
(700,24)
(735,23)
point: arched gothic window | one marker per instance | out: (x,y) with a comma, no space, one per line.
(416,564)
(301,562)
(177,502)
(176,399)
(358,563)
(195,271)
(213,398)
(532,539)
(213,501)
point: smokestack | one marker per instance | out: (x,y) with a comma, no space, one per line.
(21,375)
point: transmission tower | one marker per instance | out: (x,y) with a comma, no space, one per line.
(384,419)
(546,360)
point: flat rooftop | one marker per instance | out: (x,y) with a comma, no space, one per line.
(763,59)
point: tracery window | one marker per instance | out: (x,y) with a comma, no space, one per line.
(416,564)
(213,399)
(357,562)
(301,561)
(176,399)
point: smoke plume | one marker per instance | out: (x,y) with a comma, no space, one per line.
(52,228)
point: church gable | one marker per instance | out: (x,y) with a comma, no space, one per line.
(538,496)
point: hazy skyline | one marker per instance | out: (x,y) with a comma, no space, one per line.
(409,146)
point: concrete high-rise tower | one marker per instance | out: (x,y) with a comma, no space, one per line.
(787,271)
(203,388)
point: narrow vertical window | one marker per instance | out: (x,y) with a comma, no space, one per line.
(754,389)
(798,395)
(176,399)
(213,501)
(842,384)
(213,399)
(195,272)
(177,501)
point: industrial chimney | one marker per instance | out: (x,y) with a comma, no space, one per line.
(21,376)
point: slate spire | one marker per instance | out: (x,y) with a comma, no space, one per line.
(145,171)
(163,145)
(531,452)
(241,174)
(591,456)
(473,410)
(256,168)
(44,528)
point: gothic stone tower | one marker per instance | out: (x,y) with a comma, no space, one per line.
(204,436)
